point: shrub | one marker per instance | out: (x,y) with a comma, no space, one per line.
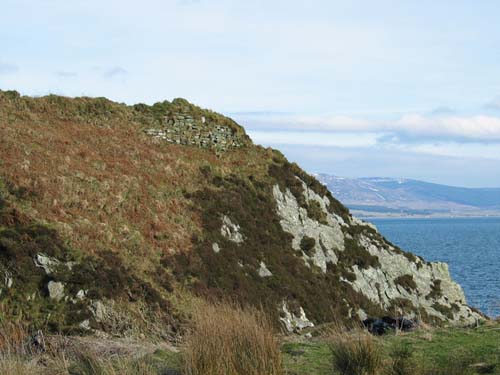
(88,363)
(307,244)
(402,362)
(315,212)
(355,353)
(227,340)
(406,282)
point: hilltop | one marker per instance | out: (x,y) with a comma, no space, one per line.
(380,196)
(114,217)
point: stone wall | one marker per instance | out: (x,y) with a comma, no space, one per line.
(184,129)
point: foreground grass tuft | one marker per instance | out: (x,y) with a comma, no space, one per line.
(355,353)
(228,340)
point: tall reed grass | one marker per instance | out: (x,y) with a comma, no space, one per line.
(354,352)
(229,340)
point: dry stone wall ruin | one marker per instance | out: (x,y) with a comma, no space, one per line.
(184,129)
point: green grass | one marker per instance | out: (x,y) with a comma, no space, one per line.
(434,347)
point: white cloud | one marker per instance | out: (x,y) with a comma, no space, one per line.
(348,140)
(481,128)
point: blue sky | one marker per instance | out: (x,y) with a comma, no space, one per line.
(354,88)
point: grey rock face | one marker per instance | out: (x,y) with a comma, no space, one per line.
(99,311)
(56,290)
(294,219)
(381,284)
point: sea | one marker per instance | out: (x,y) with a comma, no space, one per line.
(471,247)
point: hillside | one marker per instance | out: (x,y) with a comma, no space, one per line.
(112,217)
(378,196)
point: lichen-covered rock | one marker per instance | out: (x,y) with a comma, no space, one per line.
(56,290)
(231,230)
(294,322)
(295,220)
(397,282)
(48,264)
(216,247)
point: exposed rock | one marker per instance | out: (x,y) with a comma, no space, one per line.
(386,324)
(378,283)
(264,271)
(231,230)
(292,322)
(48,264)
(99,311)
(80,295)
(216,247)
(294,219)
(85,325)
(56,290)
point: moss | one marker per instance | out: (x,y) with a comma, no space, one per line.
(406,282)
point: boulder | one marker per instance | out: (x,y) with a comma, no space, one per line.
(380,326)
(56,290)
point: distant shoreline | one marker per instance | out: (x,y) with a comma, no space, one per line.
(364,217)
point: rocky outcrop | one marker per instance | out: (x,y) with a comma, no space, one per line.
(231,230)
(398,282)
(328,237)
(294,322)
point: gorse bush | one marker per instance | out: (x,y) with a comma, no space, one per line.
(355,353)
(228,340)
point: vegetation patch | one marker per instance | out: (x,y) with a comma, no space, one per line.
(406,282)
(307,245)
(356,255)
(102,276)
(315,212)
(445,310)
(436,291)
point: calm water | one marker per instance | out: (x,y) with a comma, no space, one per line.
(471,247)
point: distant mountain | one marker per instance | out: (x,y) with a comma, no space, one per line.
(379,196)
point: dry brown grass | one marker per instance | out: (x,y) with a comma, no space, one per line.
(229,340)
(18,356)
(101,182)
(355,352)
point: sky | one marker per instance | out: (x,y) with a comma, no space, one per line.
(354,88)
